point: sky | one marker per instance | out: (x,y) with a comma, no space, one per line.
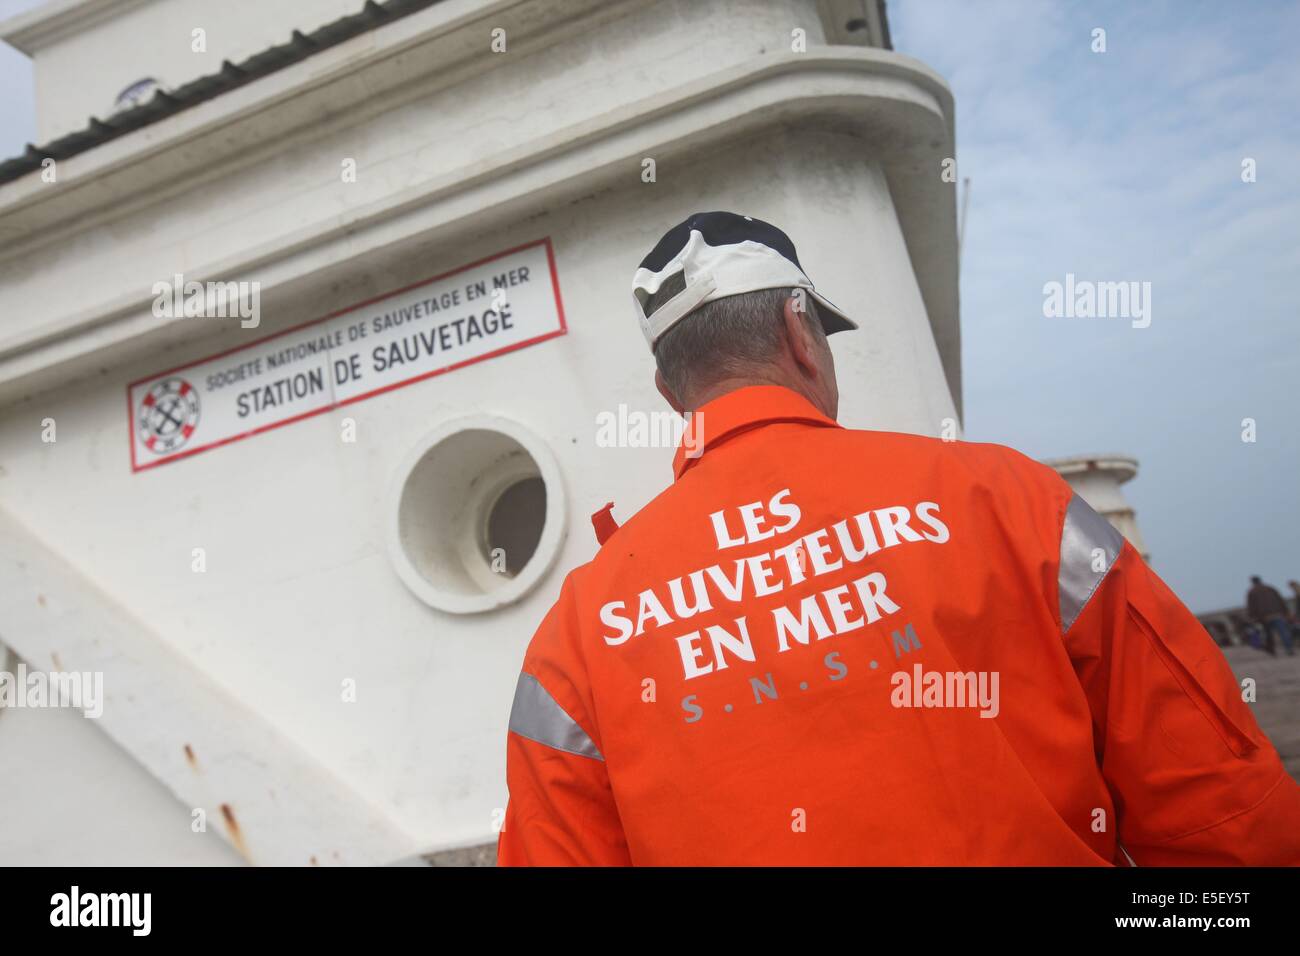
(1127,165)
(17,93)
(1122,165)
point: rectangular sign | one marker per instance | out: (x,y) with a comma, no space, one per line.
(477,312)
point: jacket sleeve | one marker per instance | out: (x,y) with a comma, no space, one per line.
(561,810)
(1194,779)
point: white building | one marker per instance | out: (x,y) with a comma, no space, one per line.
(1097,479)
(275,537)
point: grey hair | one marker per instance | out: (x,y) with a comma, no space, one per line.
(725,337)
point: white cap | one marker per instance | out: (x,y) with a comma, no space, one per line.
(722,254)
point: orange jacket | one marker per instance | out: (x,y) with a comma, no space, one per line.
(825,646)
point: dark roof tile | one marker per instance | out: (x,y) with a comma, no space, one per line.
(231,75)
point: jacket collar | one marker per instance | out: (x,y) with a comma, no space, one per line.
(735,412)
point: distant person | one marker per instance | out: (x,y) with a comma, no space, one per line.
(1295,603)
(1265,605)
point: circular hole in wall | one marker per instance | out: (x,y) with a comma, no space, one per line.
(478,515)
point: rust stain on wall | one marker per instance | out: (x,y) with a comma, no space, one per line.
(236,835)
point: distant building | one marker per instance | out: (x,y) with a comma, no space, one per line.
(1097,479)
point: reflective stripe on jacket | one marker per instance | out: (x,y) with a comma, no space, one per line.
(830,646)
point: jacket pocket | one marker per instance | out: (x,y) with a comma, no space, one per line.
(1187,657)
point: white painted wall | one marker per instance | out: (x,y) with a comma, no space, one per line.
(299,594)
(72,797)
(296,184)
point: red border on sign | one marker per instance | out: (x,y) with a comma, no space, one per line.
(559,307)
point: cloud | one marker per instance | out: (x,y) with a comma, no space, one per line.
(1127,165)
